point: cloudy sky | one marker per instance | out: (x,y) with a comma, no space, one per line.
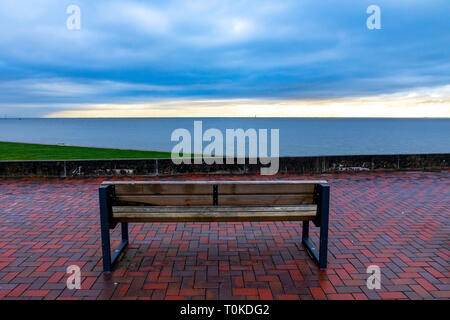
(225,58)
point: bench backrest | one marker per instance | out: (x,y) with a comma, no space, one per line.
(207,193)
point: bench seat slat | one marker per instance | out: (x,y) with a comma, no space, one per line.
(264,199)
(211,182)
(279,188)
(225,200)
(213,213)
(165,200)
(163,189)
(205,189)
(138,209)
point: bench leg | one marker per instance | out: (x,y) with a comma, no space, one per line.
(323,245)
(108,259)
(321,256)
(106,246)
(122,245)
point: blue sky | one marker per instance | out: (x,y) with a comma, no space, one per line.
(228,57)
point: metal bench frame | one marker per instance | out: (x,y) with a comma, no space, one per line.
(321,199)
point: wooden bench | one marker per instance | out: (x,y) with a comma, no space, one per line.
(213,201)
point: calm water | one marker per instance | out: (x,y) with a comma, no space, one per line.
(298,136)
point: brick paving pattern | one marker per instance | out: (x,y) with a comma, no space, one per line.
(397,220)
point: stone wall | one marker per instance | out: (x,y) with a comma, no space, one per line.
(161,167)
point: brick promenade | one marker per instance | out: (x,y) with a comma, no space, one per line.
(397,220)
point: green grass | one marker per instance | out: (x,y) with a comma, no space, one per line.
(28,151)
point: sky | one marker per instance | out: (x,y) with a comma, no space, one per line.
(286,58)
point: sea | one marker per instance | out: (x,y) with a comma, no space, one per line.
(297,136)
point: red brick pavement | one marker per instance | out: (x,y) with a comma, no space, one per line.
(396,220)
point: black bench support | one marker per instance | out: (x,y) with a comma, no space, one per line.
(106,196)
(322,199)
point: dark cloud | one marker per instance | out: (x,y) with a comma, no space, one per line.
(145,50)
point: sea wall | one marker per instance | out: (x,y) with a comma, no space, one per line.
(164,167)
